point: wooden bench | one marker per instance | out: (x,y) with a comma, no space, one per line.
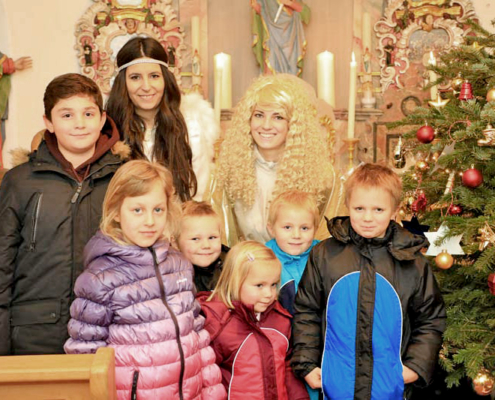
(59,377)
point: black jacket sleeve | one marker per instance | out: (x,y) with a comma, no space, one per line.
(428,318)
(10,237)
(309,308)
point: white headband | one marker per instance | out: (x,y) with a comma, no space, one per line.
(142,61)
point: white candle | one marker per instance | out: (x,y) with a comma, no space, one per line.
(195,33)
(352,98)
(217,85)
(366,34)
(223,62)
(433,77)
(326,77)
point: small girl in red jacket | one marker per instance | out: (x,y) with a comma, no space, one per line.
(249,329)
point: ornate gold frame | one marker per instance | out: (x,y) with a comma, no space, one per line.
(107,20)
(394,38)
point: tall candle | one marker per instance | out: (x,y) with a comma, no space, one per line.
(195,33)
(366,34)
(352,98)
(326,77)
(223,62)
(217,92)
(433,77)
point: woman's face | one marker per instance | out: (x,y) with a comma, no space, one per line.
(269,127)
(145,85)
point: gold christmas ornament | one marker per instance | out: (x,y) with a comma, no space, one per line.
(487,236)
(422,165)
(457,82)
(490,96)
(477,46)
(444,260)
(439,102)
(489,139)
(483,383)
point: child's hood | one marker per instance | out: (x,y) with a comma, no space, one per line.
(111,142)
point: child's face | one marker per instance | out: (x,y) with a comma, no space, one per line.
(269,130)
(293,230)
(145,85)
(370,210)
(200,239)
(143,218)
(260,287)
(77,123)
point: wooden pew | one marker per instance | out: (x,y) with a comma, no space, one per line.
(59,377)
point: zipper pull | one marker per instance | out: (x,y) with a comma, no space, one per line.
(134,385)
(76,195)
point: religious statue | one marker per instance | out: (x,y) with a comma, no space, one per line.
(88,54)
(279,44)
(390,58)
(7,67)
(171,56)
(368,100)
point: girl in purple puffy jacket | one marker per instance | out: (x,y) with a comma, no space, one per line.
(136,294)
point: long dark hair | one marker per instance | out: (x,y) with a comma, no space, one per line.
(171,139)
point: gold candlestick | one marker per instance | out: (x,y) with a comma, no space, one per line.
(351,143)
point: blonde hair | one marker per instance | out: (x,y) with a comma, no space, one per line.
(236,268)
(305,163)
(296,198)
(375,176)
(133,179)
(194,208)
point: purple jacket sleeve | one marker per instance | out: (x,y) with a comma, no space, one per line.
(88,327)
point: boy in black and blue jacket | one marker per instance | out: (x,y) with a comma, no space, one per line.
(369,315)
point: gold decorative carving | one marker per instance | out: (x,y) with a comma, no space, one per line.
(403,18)
(107,25)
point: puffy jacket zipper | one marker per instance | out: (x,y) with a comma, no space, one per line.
(36,215)
(135,378)
(174,319)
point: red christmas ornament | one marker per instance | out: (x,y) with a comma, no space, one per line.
(419,204)
(466,91)
(425,134)
(491,283)
(472,178)
(454,209)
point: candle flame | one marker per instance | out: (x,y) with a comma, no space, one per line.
(432,60)
(353,57)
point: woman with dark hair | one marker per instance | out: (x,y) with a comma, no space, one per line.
(144,103)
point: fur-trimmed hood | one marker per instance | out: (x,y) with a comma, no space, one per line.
(21,155)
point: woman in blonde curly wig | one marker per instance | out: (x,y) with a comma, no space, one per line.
(275,144)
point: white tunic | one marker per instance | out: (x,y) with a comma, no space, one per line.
(252,223)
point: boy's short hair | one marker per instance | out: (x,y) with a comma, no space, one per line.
(69,85)
(193,208)
(375,176)
(297,198)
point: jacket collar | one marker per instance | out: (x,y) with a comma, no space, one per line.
(400,243)
(285,257)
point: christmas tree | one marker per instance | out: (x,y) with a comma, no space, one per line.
(451,188)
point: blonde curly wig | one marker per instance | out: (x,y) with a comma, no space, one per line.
(305,164)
